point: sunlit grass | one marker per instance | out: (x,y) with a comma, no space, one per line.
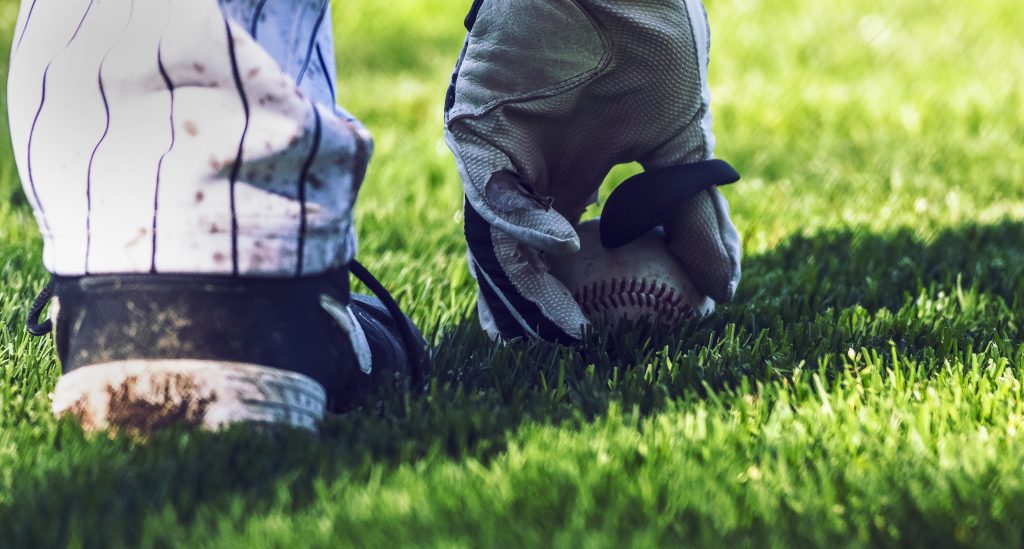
(865,387)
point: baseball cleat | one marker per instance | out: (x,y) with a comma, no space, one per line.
(143,352)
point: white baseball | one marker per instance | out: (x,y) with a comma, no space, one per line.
(639,281)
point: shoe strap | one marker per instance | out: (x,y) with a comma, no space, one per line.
(32,323)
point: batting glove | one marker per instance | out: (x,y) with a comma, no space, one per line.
(547,97)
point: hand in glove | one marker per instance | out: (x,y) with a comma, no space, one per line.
(547,97)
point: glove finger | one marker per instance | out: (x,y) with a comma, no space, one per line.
(704,239)
(515,167)
(519,297)
(503,199)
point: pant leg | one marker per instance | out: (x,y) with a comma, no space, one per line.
(184,136)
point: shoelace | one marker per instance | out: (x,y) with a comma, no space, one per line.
(413,351)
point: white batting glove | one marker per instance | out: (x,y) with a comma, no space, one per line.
(547,97)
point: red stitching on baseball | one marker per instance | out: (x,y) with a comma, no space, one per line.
(607,295)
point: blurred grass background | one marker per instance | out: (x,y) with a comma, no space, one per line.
(864,388)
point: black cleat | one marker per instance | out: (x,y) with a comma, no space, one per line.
(140,352)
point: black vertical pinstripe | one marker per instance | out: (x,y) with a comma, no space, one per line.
(236,169)
(313,151)
(39,112)
(160,164)
(254,26)
(28,18)
(80,23)
(95,150)
(312,43)
(327,74)
(88,176)
(31,136)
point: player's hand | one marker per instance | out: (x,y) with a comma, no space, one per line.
(548,96)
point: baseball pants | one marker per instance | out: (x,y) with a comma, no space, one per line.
(184,136)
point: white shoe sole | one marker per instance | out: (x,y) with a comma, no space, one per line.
(146,395)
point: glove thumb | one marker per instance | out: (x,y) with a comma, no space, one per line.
(701,235)
(503,199)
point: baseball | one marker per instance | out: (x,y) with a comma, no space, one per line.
(640,281)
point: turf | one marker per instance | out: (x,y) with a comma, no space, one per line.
(864,388)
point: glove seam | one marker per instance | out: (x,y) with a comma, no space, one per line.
(701,111)
(701,75)
(547,91)
(693,120)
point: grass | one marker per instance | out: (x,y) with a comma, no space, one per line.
(864,388)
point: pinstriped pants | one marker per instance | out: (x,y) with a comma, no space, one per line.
(184,136)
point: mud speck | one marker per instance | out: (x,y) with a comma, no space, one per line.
(82,414)
(168,401)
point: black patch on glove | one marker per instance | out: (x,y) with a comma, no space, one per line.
(493,280)
(473,11)
(646,201)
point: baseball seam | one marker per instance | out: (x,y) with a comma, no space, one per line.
(610,294)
